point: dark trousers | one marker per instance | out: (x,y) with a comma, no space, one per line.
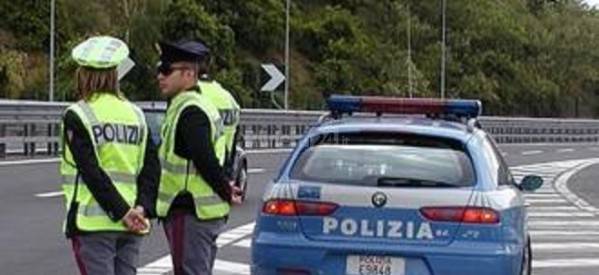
(106,253)
(192,242)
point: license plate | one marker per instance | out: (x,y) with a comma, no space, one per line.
(374,265)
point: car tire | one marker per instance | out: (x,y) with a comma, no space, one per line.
(242,179)
(527,259)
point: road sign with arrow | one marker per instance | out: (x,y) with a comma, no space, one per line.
(276,78)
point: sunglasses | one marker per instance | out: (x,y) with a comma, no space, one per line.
(167,69)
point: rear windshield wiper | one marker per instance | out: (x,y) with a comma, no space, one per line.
(410,182)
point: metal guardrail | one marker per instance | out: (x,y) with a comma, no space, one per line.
(30,128)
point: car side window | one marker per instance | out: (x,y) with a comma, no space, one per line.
(504,176)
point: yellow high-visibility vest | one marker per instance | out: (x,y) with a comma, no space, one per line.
(118,132)
(229,111)
(179,174)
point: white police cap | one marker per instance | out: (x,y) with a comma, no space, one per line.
(100,52)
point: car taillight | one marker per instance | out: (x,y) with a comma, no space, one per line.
(481,215)
(286,207)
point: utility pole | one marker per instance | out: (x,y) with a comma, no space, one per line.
(443,50)
(287,78)
(410,83)
(51,88)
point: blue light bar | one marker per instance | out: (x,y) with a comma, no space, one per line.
(344,104)
(458,107)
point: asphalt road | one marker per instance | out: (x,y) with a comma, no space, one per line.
(32,242)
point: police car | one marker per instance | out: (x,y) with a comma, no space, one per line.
(395,192)
(154,113)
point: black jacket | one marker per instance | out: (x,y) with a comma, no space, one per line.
(192,142)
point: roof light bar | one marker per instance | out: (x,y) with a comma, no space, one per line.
(374,104)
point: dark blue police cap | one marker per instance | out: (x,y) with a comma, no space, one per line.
(185,50)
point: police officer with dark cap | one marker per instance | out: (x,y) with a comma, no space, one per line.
(195,194)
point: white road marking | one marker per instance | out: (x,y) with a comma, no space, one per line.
(559,214)
(561,184)
(569,224)
(565,246)
(231,268)
(28,161)
(552,201)
(542,196)
(533,152)
(545,191)
(49,194)
(256,170)
(244,243)
(565,263)
(268,151)
(552,208)
(565,150)
(562,233)
(235,234)
(226,238)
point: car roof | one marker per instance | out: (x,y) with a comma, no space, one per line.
(405,124)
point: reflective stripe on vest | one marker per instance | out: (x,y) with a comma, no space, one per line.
(229,111)
(211,200)
(118,134)
(114,176)
(179,174)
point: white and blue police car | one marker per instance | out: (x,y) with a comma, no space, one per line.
(395,192)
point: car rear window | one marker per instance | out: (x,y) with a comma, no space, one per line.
(385,159)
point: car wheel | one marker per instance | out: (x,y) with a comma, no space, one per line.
(242,180)
(527,259)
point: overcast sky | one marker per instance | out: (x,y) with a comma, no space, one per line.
(592,2)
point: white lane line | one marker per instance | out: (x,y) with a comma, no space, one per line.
(542,201)
(564,246)
(590,262)
(561,184)
(231,268)
(536,233)
(235,234)
(268,151)
(533,152)
(49,194)
(256,170)
(552,208)
(244,243)
(569,224)
(565,150)
(545,191)
(28,161)
(559,214)
(165,263)
(542,196)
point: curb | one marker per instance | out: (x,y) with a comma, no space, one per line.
(561,185)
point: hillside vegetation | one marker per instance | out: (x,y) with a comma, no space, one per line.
(520,57)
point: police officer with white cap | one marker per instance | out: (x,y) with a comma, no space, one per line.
(195,193)
(109,165)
